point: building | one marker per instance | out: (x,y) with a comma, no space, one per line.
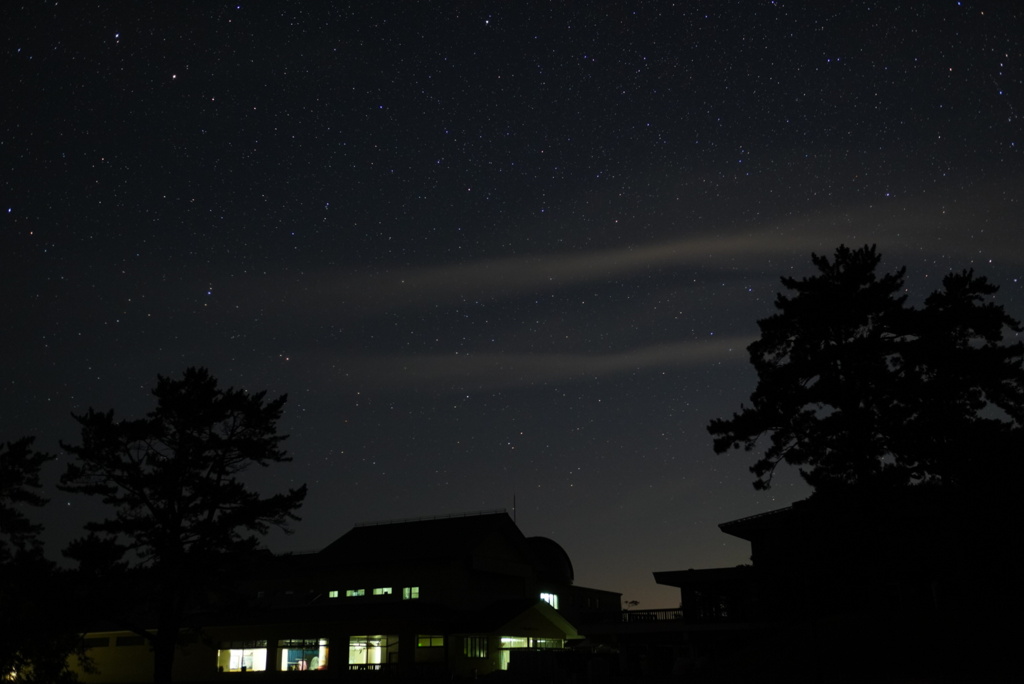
(822,557)
(460,596)
(902,586)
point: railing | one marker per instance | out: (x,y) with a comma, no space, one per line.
(371,667)
(652,615)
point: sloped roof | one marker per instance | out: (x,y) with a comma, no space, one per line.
(744,528)
(427,539)
(524,618)
(682,578)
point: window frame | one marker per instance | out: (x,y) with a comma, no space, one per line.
(475,647)
(433,640)
(319,646)
(549,598)
(246,648)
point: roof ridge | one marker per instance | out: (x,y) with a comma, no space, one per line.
(470,514)
(764,514)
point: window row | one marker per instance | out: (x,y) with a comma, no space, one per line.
(407,592)
(370,651)
(477,646)
(293,655)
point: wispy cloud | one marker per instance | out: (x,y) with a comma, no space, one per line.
(491,371)
(919,226)
(514,276)
(921,232)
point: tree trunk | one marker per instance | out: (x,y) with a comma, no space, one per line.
(163,655)
(167,627)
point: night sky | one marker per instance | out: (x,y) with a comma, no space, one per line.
(494,252)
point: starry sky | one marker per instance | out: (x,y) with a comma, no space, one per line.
(496,253)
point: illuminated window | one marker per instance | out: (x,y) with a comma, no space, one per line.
(508,644)
(242,656)
(550,598)
(410,592)
(370,651)
(333,593)
(515,642)
(302,655)
(382,591)
(474,647)
(355,592)
(429,640)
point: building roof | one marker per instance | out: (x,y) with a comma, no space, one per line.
(745,527)
(552,561)
(438,539)
(682,578)
(852,510)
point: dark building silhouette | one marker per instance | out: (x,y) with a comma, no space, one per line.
(434,598)
(916,587)
(913,586)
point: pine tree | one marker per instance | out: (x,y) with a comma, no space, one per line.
(174,482)
(856,387)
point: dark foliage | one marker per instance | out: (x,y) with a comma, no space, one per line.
(19,487)
(857,387)
(39,621)
(174,482)
(37,635)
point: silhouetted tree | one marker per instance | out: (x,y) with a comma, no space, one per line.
(174,481)
(968,424)
(36,637)
(19,487)
(856,387)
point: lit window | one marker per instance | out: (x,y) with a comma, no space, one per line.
(370,651)
(242,656)
(548,643)
(382,591)
(301,655)
(429,640)
(333,593)
(355,592)
(475,647)
(550,598)
(410,592)
(507,644)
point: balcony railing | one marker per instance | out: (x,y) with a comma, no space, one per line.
(652,615)
(372,667)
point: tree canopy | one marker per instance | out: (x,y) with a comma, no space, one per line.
(19,487)
(38,633)
(174,482)
(857,387)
